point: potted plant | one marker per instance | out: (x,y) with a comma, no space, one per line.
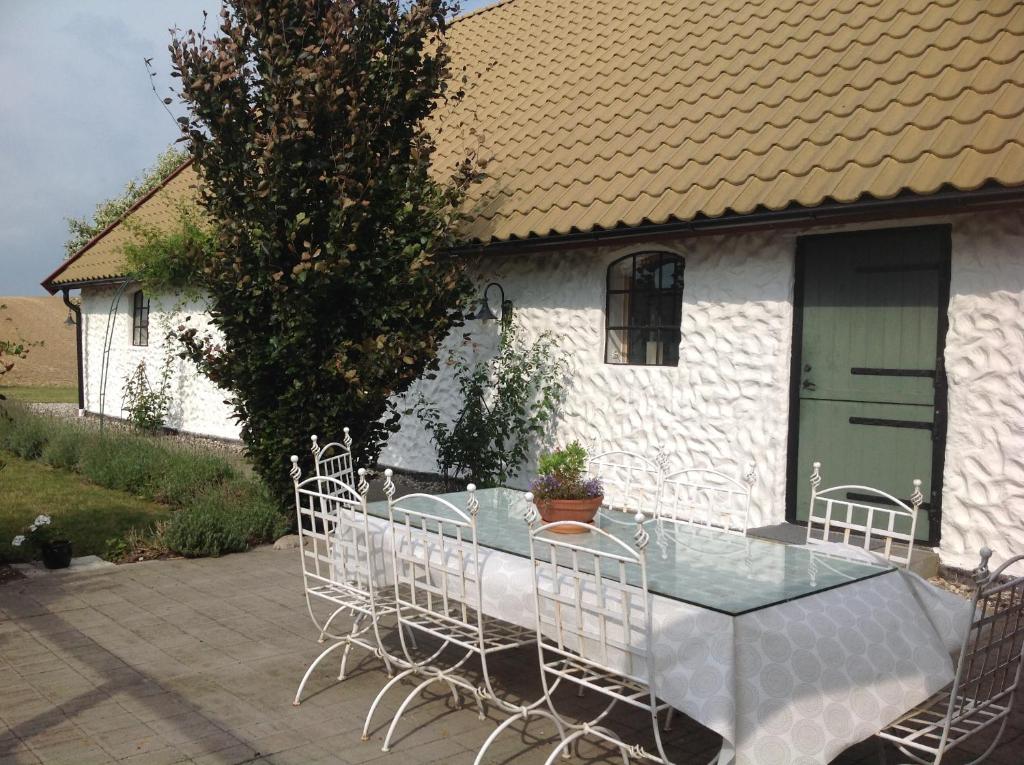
(562,492)
(41,534)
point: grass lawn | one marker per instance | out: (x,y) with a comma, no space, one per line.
(87,513)
(41,394)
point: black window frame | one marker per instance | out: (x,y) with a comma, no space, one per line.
(646,293)
(140,319)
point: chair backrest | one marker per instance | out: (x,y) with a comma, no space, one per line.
(989,671)
(871,518)
(707,497)
(436,556)
(335,459)
(335,542)
(630,481)
(591,598)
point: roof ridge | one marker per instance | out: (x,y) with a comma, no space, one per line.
(479,11)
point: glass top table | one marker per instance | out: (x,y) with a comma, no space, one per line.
(712,569)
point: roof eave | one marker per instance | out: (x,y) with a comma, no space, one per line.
(832,213)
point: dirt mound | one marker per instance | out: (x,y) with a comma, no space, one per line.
(39,319)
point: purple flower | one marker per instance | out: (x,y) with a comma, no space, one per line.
(554,487)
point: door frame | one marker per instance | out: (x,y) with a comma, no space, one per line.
(941,387)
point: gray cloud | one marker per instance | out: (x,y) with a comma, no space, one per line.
(77,116)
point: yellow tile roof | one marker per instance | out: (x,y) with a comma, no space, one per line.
(103,257)
(607,113)
(597,114)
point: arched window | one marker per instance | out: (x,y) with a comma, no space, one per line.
(140,319)
(644,310)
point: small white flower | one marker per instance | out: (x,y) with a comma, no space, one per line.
(18,540)
(32,528)
(42,520)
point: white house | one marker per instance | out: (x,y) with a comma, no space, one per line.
(771,233)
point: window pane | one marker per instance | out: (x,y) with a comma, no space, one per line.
(140,319)
(616,348)
(671,277)
(647,268)
(644,310)
(668,313)
(620,274)
(670,342)
(617,305)
(640,308)
(638,346)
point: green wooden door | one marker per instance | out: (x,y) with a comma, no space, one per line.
(869,387)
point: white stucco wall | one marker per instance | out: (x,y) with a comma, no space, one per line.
(725,405)
(727,402)
(198,405)
(983,481)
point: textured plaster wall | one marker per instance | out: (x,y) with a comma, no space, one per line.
(725,405)
(984,468)
(197,404)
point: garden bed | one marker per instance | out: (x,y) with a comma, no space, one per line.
(124,495)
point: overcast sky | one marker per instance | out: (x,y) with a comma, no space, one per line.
(77,116)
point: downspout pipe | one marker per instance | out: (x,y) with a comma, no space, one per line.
(77,311)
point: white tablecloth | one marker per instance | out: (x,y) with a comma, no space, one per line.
(792,684)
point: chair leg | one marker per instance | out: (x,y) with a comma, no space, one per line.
(668,719)
(316,661)
(380,696)
(401,710)
(563,745)
(657,735)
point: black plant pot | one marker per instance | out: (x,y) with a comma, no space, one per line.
(57,554)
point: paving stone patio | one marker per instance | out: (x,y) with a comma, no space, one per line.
(198,660)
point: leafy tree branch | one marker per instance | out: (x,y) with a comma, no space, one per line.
(328,287)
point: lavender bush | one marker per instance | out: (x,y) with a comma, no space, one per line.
(561,475)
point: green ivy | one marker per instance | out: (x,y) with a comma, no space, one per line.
(164,260)
(508,404)
(328,288)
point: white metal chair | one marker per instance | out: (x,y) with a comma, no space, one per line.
(631,483)
(437,569)
(339,566)
(707,497)
(886,528)
(987,676)
(593,614)
(335,459)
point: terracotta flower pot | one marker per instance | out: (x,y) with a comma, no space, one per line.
(56,554)
(580,510)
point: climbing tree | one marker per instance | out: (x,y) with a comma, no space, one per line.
(329,291)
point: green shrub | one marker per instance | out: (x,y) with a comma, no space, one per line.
(26,435)
(220,511)
(227,518)
(123,462)
(186,475)
(64,449)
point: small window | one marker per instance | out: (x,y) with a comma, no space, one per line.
(140,319)
(644,310)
